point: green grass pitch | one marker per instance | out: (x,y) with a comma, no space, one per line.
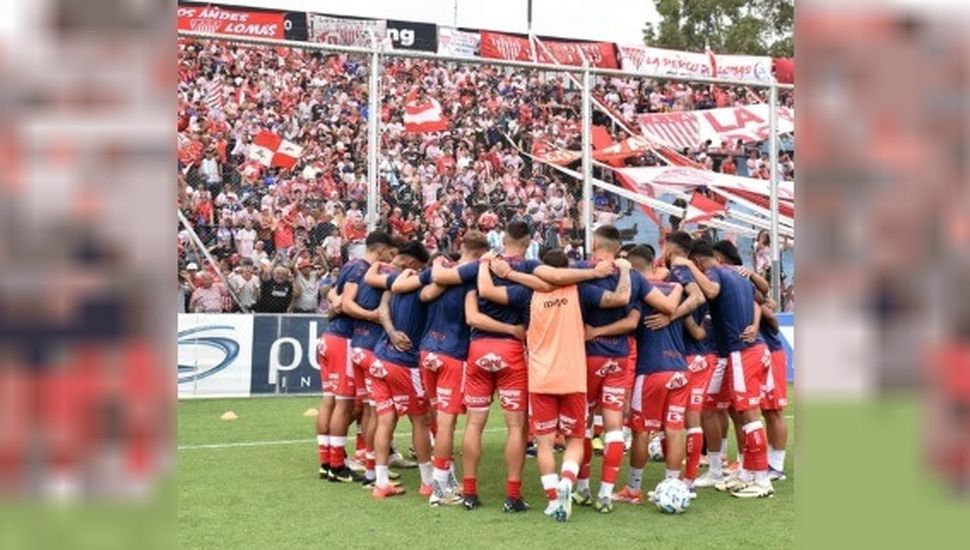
(252,483)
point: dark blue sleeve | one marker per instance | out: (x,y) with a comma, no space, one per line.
(683,274)
(519,296)
(529,266)
(391,277)
(425,276)
(590,295)
(640,287)
(714,276)
(468,272)
(356,273)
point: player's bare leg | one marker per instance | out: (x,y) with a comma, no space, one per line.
(323,435)
(582,496)
(442,459)
(738,435)
(386,420)
(421,441)
(339,423)
(471,453)
(777,429)
(516,439)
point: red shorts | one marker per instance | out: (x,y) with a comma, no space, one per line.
(444,380)
(336,371)
(361,359)
(775,394)
(699,371)
(659,401)
(606,381)
(496,364)
(395,388)
(565,413)
(739,382)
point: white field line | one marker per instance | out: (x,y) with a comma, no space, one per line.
(308,440)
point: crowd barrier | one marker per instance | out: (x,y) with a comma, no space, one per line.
(239,355)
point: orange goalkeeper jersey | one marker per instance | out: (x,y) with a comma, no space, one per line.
(557,348)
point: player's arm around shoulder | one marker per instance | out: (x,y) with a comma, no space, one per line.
(620,296)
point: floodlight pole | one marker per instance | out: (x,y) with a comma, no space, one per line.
(587,161)
(373,108)
(773,191)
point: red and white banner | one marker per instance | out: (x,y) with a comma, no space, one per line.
(272,150)
(346,32)
(496,45)
(681,178)
(423,114)
(456,43)
(691,128)
(702,208)
(221,21)
(663,62)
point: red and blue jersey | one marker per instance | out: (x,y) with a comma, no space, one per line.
(408,315)
(705,346)
(660,350)
(366,333)
(343,324)
(732,310)
(771,337)
(447,331)
(517,310)
(593,315)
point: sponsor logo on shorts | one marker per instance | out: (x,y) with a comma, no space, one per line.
(545,425)
(567,423)
(698,364)
(608,367)
(674,417)
(651,424)
(510,399)
(432,362)
(613,396)
(377,369)
(476,401)
(678,380)
(491,362)
(444,396)
(357,356)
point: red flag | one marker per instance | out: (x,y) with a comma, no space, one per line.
(601,137)
(646,190)
(272,150)
(423,115)
(702,208)
(615,153)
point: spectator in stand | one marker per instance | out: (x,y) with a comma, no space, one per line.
(306,287)
(244,282)
(207,297)
(259,256)
(761,254)
(275,290)
(728,166)
(245,237)
(326,283)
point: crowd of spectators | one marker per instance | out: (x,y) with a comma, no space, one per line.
(271,227)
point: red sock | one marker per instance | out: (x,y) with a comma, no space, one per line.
(513,488)
(323,452)
(755,447)
(360,445)
(337,456)
(613,456)
(441,463)
(587,458)
(695,440)
(470,486)
(551,494)
(370,462)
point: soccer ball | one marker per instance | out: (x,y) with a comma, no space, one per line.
(655,450)
(671,496)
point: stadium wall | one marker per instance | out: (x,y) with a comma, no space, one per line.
(239,355)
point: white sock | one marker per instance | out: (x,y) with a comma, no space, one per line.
(549,481)
(776,459)
(369,473)
(440,476)
(426,472)
(597,421)
(627,433)
(323,440)
(582,484)
(635,478)
(672,474)
(715,463)
(606,490)
(761,477)
(569,466)
(382,479)
(724,446)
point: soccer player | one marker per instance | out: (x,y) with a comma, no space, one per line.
(336,370)
(557,389)
(734,316)
(444,349)
(660,392)
(775,397)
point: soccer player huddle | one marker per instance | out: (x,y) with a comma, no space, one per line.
(674,347)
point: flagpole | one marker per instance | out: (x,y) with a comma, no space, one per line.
(373,106)
(773,191)
(587,159)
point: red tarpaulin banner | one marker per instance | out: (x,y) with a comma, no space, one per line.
(495,45)
(220,21)
(784,70)
(688,129)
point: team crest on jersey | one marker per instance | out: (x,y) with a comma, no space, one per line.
(377,369)
(608,367)
(432,362)
(491,362)
(357,356)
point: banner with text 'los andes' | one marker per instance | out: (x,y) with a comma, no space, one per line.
(496,45)
(213,19)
